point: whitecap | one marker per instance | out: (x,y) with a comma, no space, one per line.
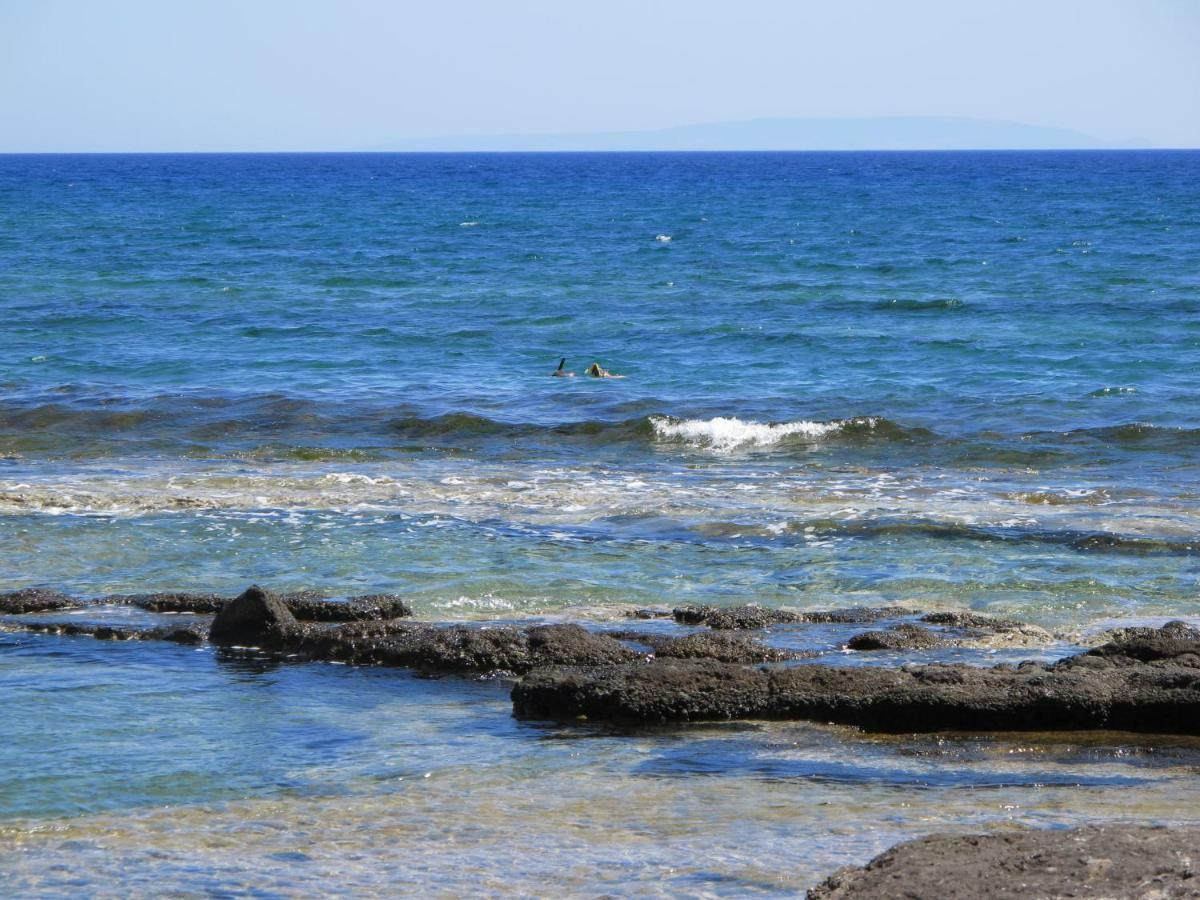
(728,433)
(663,238)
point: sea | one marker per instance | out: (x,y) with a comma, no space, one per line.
(948,381)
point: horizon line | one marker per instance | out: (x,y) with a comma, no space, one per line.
(598,152)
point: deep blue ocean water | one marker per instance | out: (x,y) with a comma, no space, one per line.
(948,380)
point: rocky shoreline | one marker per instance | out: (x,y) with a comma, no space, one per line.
(1141,680)
(1135,861)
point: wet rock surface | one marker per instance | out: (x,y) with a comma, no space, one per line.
(254,617)
(455,648)
(975,625)
(364,608)
(27,600)
(722,647)
(307,606)
(1146,685)
(179,634)
(733,617)
(1095,861)
(171,602)
(898,637)
(856,615)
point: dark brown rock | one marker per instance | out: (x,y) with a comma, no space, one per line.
(456,648)
(28,600)
(722,647)
(364,608)
(664,691)
(178,634)
(1114,687)
(898,637)
(956,619)
(1096,861)
(171,602)
(856,615)
(733,617)
(253,618)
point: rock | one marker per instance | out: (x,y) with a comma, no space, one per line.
(664,691)
(252,618)
(648,613)
(732,617)
(178,634)
(35,599)
(456,648)
(898,637)
(1009,632)
(1171,629)
(308,607)
(1095,861)
(171,602)
(957,619)
(1147,686)
(856,615)
(554,645)
(722,647)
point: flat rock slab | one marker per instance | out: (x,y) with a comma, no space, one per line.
(178,634)
(454,649)
(1147,685)
(1095,861)
(750,616)
(898,637)
(307,606)
(29,600)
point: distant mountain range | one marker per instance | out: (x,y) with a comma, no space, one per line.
(884,133)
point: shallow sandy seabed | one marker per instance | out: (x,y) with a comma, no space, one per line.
(582,832)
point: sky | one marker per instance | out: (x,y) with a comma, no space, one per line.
(257,75)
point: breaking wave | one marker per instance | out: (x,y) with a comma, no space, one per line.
(725,433)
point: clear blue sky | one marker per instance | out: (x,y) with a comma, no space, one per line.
(305,75)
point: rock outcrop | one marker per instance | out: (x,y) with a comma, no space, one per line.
(1151,684)
(898,637)
(1094,861)
(253,618)
(27,600)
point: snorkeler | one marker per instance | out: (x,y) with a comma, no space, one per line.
(561,371)
(596,371)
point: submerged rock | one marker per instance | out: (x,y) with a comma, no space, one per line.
(856,615)
(254,617)
(733,617)
(958,619)
(35,599)
(1094,861)
(307,606)
(1152,685)
(990,631)
(898,637)
(179,634)
(171,602)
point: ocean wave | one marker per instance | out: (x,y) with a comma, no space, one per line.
(277,426)
(725,433)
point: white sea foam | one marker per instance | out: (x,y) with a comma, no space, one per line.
(662,238)
(729,433)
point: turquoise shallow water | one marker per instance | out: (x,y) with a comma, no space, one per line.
(942,380)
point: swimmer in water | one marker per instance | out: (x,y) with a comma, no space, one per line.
(596,371)
(561,371)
